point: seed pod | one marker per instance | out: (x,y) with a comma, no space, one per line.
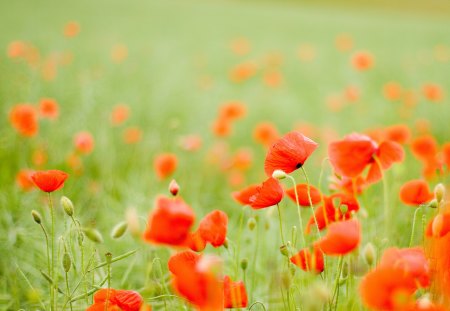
(433,204)
(251,223)
(439,192)
(67,262)
(244,264)
(108,257)
(369,254)
(119,230)
(93,235)
(36,216)
(67,205)
(279,174)
(225,243)
(284,250)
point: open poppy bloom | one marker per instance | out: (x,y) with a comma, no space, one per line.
(24,119)
(235,294)
(49,181)
(268,194)
(178,261)
(415,192)
(309,262)
(48,108)
(289,153)
(342,238)
(118,300)
(243,196)
(165,164)
(170,222)
(212,229)
(302,193)
(356,152)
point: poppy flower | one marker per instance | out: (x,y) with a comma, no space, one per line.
(232,111)
(235,294)
(344,42)
(268,194)
(342,238)
(242,159)
(309,262)
(17,49)
(415,192)
(165,165)
(265,133)
(113,299)
(439,225)
(213,228)
(424,147)
(243,196)
(183,259)
(273,78)
(120,114)
(446,155)
(242,72)
(306,52)
(71,29)
(196,242)
(49,181)
(433,92)
(400,133)
(289,153)
(84,142)
(352,186)
(362,60)
(24,180)
(240,46)
(392,91)
(170,222)
(222,127)
(48,108)
(191,142)
(119,53)
(302,193)
(24,119)
(132,135)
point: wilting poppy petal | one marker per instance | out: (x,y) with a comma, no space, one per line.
(213,228)
(49,181)
(235,294)
(415,192)
(289,153)
(302,192)
(342,238)
(309,262)
(269,194)
(243,196)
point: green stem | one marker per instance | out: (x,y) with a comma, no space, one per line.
(298,210)
(336,283)
(257,303)
(47,248)
(68,290)
(308,190)
(237,252)
(413,226)
(52,242)
(385,198)
(281,225)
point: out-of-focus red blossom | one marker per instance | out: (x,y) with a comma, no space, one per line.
(120,114)
(331,211)
(49,181)
(265,133)
(221,127)
(356,152)
(48,108)
(302,193)
(236,178)
(17,49)
(240,46)
(243,197)
(344,42)
(446,155)
(39,157)
(170,222)
(24,180)
(392,91)
(400,133)
(362,60)
(352,186)
(242,72)
(178,261)
(342,238)
(306,52)
(352,93)
(289,153)
(415,192)
(433,92)
(212,229)
(198,280)
(424,147)
(71,29)
(439,225)
(191,142)
(24,119)
(235,294)
(165,165)
(268,194)
(118,300)
(308,261)
(84,142)
(132,135)
(119,53)
(242,159)
(273,78)
(232,110)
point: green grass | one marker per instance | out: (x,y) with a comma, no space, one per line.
(171,45)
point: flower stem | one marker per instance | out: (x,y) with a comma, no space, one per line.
(413,226)
(387,220)
(298,209)
(336,283)
(308,187)
(281,225)
(52,243)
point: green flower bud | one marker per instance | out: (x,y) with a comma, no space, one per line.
(36,216)
(93,235)
(67,205)
(119,230)
(251,223)
(67,262)
(369,254)
(439,192)
(244,264)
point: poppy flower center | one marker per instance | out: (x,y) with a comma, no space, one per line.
(298,165)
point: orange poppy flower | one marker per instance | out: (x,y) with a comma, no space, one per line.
(240,46)
(120,114)
(392,91)
(71,29)
(165,165)
(268,194)
(24,119)
(309,262)
(273,78)
(232,110)
(84,142)
(195,242)
(302,193)
(415,192)
(243,197)
(39,157)
(362,60)
(17,49)
(235,294)
(132,135)
(424,147)
(352,186)
(49,181)
(221,127)
(191,142)
(170,222)
(242,72)
(352,93)
(306,52)
(438,226)
(212,229)
(183,259)
(342,238)
(289,153)
(114,300)
(242,159)
(400,133)
(24,180)
(48,108)
(344,42)
(446,155)
(119,53)
(433,92)
(265,133)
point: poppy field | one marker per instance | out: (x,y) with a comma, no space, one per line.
(212,155)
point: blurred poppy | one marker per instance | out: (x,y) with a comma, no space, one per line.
(289,153)
(221,127)
(342,238)
(240,46)
(302,193)
(49,181)
(119,53)
(165,165)
(265,133)
(439,225)
(232,110)
(24,180)
(392,91)
(268,194)
(170,222)
(114,300)
(415,192)
(400,133)
(48,108)
(213,228)
(308,261)
(84,142)
(183,259)
(71,29)
(24,119)
(433,92)
(120,114)
(235,294)
(242,72)
(242,159)
(424,147)
(243,197)
(352,186)
(344,42)
(132,135)
(273,78)
(191,142)
(362,60)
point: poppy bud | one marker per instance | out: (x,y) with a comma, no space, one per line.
(66,262)
(67,205)
(369,254)
(174,187)
(284,250)
(80,238)
(439,192)
(36,216)
(225,243)
(279,174)
(251,223)
(132,219)
(244,264)
(433,204)
(119,230)
(93,235)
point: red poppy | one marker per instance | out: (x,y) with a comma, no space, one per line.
(71,29)
(302,193)
(309,262)
(165,165)
(268,194)
(446,155)
(232,110)
(49,181)
(178,261)
(24,119)
(351,186)
(84,142)
(438,226)
(48,108)
(132,135)
(400,133)
(196,242)
(114,300)
(235,294)
(289,153)
(213,228)
(120,114)
(265,133)
(24,180)
(424,147)
(433,92)
(415,192)
(342,238)
(243,196)
(170,222)
(362,60)
(392,91)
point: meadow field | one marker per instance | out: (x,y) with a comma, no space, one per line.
(176,131)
